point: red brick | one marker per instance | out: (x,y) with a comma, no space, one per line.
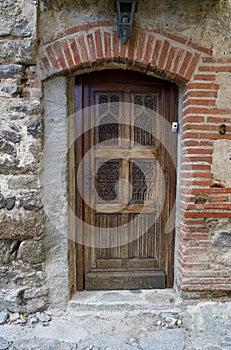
(216,69)
(190,158)
(131,48)
(156,52)
(61,60)
(46,63)
(107,45)
(123,51)
(193,222)
(194,229)
(196,167)
(194,126)
(218,120)
(219,288)
(200,135)
(53,59)
(191,143)
(82,45)
(204,214)
(75,51)
(170,59)
(35,85)
(177,61)
(85,27)
(185,64)
(209,77)
(193,119)
(191,251)
(203,110)
(203,86)
(199,102)
(201,266)
(98,41)
(214,190)
(148,51)
(189,72)
(209,206)
(68,54)
(91,46)
(163,55)
(218,198)
(140,47)
(176,38)
(216,60)
(202,93)
(199,151)
(196,182)
(197,236)
(115,47)
(196,175)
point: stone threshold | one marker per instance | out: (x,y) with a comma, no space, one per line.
(154,300)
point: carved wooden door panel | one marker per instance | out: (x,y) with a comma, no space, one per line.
(129,181)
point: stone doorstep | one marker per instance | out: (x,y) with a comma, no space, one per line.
(130,300)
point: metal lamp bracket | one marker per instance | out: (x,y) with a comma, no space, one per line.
(125,14)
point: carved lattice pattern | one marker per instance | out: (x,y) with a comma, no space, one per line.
(142,174)
(108,125)
(106,180)
(143,124)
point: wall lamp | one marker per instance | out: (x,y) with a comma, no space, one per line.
(125,14)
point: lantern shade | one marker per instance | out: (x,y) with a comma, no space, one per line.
(125,14)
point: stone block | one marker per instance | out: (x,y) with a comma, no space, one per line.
(21,27)
(6,147)
(21,228)
(222,239)
(11,70)
(11,136)
(24,182)
(11,299)
(32,251)
(34,128)
(8,251)
(18,51)
(10,203)
(24,106)
(30,201)
(36,304)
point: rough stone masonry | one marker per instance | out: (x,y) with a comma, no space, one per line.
(46,42)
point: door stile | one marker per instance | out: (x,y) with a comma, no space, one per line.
(79,205)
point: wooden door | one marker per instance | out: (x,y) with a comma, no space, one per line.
(128,180)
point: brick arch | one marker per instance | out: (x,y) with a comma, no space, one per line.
(97,45)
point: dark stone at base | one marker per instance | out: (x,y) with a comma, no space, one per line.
(35,128)
(10,203)
(7,148)
(223,239)
(11,136)
(9,70)
(2,201)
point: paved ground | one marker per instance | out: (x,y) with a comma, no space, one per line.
(128,320)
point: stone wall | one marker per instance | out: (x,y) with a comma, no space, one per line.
(184,41)
(22,253)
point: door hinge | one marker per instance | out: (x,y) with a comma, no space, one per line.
(174,126)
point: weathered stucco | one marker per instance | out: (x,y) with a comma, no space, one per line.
(205,22)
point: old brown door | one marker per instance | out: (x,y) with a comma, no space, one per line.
(125,180)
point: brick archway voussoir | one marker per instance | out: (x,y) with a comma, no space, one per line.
(149,51)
